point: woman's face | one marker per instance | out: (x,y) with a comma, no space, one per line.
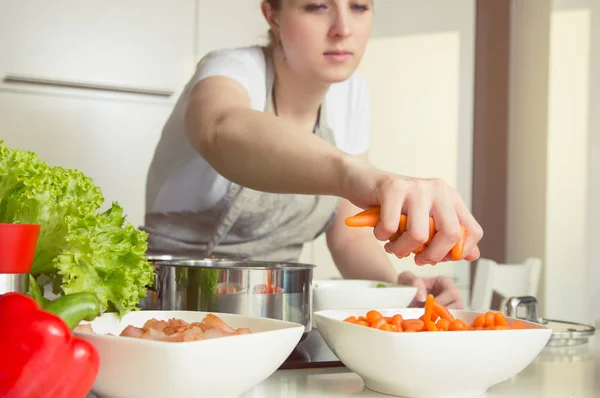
(324,39)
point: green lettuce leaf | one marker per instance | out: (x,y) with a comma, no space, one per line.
(79,248)
(106,255)
(32,192)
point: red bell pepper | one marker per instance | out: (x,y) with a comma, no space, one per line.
(40,356)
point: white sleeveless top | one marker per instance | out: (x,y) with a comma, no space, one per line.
(180,180)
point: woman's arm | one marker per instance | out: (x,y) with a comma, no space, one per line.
(355,251)
(271,154)
(256,149)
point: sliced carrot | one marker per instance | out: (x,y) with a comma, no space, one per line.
(458,325)
(459,248)
(363,220)
(428,309)
(429,322)
(416,325)
(378,323)
(479,321)
(442,311)
(386,327)
(397,322)
(489,319)
(431,327)
(373,316)
(499,319)
(443,324)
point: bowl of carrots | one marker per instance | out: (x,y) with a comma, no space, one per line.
(431,352)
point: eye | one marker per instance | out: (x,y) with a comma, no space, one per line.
(314,7)
(359,7)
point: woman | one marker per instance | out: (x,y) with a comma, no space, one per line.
(266,150)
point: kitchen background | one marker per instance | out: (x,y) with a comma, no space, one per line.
(497,97)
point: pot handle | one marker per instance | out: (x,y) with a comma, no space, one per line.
(529,302)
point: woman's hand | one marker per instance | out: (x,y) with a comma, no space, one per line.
(442,287)
(418,198)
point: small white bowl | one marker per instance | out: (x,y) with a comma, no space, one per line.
(430,364)
(220,367)
(359,294)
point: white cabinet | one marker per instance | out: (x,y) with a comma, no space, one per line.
(139,44)
(110,141)
(124,44)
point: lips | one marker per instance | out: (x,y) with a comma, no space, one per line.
(338,56)
(340,52)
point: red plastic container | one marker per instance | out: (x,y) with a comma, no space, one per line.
(17,247)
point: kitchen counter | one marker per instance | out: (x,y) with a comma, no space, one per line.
(561,372)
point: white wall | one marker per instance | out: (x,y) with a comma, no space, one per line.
(553,180)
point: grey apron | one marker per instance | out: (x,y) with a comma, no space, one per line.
(247,223)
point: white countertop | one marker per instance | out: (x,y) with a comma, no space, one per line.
(566,372)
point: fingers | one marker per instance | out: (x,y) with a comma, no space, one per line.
(448,231)
(417,227)
(474,232)
(422,200)
(410,279)
(446,293)
(392,201)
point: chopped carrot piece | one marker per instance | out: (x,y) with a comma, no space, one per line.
(378,323)
(362,323)
(499,319)
(386,327)
(479,321)
(442,311)
(397,322)
(362,318)
(430,325)
(489,319)
(416,325)
(443,324)
(351,319)
(388,319)
(373,316)
(457,325)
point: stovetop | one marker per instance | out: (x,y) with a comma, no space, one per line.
(312,352)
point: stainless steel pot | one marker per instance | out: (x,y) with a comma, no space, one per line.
(232,286)
(14,283)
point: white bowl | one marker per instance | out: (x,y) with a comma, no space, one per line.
(220,367)
(359,294)
(431,364)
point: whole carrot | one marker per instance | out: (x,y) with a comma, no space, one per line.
(371,216)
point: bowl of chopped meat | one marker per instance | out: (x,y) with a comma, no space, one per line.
(186,353)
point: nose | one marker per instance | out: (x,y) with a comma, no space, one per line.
(341,24)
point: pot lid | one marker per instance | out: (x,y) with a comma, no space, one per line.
(564,333)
